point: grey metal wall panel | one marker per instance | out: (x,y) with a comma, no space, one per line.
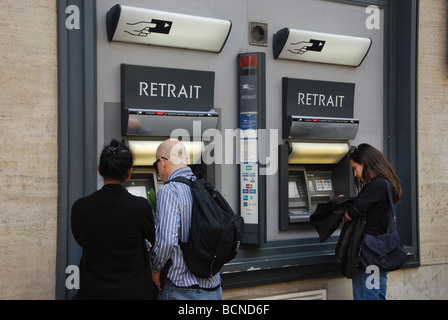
(77,127)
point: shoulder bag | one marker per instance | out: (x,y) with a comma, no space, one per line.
(386,250)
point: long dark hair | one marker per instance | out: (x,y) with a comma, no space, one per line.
(375,165)
(115,160)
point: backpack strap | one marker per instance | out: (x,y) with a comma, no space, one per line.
(188,182)
(182,180)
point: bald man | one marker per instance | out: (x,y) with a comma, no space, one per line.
(171,155)
(174,205)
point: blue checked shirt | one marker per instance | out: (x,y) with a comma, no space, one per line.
(174,205)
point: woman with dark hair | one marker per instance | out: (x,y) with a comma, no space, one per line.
(370,169)
(112,227)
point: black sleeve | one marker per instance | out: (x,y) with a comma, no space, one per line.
(148,223)
(372,192)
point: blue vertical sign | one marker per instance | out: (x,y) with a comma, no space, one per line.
(252,106)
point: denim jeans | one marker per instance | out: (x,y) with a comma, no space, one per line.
(171,292)
(369,286)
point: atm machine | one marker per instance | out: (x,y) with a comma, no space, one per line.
(150,113)
(310,173)
(144,177)
(306,189)
(142,181)
(313,162)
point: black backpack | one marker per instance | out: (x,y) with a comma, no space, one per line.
(215,232)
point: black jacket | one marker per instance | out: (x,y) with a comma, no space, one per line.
(326,219)
(347,248)
(328,216)
(111,225)
(373,205)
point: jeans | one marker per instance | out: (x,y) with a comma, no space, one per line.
(369,286)
(171,292)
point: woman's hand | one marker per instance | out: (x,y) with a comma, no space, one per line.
(346,218)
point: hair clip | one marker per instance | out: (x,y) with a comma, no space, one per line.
(113,150)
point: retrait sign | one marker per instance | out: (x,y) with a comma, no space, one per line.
(318,98)
(145,87)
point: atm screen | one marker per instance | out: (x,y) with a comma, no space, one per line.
(139,191)
(141,183)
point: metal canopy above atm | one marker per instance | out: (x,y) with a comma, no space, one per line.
(315,128)
(162,123)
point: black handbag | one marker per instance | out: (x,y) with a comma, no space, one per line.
(384,251)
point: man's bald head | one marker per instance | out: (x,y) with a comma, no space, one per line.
(175,151)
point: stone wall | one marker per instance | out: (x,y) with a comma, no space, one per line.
(433,131)
(28,149)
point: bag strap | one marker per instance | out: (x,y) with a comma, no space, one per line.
(389,191)
(182,180)
(188,182)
